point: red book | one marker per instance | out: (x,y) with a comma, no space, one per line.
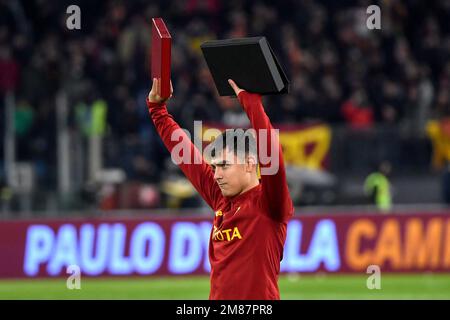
(160,55)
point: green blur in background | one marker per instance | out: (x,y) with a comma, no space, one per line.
(326,286)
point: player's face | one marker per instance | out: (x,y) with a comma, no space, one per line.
(231,175)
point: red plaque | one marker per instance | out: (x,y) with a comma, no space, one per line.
(160,55)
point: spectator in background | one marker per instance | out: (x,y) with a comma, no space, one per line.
(357,112)
(9,71)
(378,187)
(23,124)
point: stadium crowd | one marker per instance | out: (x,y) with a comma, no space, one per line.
(341,72)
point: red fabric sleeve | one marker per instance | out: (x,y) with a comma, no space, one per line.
(199,173)
(274,186)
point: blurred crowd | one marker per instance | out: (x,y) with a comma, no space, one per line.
(340,71)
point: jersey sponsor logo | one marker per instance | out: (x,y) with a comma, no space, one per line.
(226,234)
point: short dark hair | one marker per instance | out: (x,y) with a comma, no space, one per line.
(241,142)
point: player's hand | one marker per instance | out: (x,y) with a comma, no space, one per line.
(155,94)
(235,87)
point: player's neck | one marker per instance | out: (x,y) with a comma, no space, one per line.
(251,185)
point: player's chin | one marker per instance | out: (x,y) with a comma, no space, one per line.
(228,193)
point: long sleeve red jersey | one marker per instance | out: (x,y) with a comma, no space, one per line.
(249,230)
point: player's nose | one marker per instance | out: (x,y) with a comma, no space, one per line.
(218,174)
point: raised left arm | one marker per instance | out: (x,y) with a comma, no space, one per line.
(273,173)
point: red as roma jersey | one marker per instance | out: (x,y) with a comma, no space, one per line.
(249,230)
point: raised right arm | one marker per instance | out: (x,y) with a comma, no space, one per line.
(198,172)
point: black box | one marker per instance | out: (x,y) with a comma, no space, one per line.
(250,62)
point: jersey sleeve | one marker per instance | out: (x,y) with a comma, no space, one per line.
(197,170)
(273,174)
